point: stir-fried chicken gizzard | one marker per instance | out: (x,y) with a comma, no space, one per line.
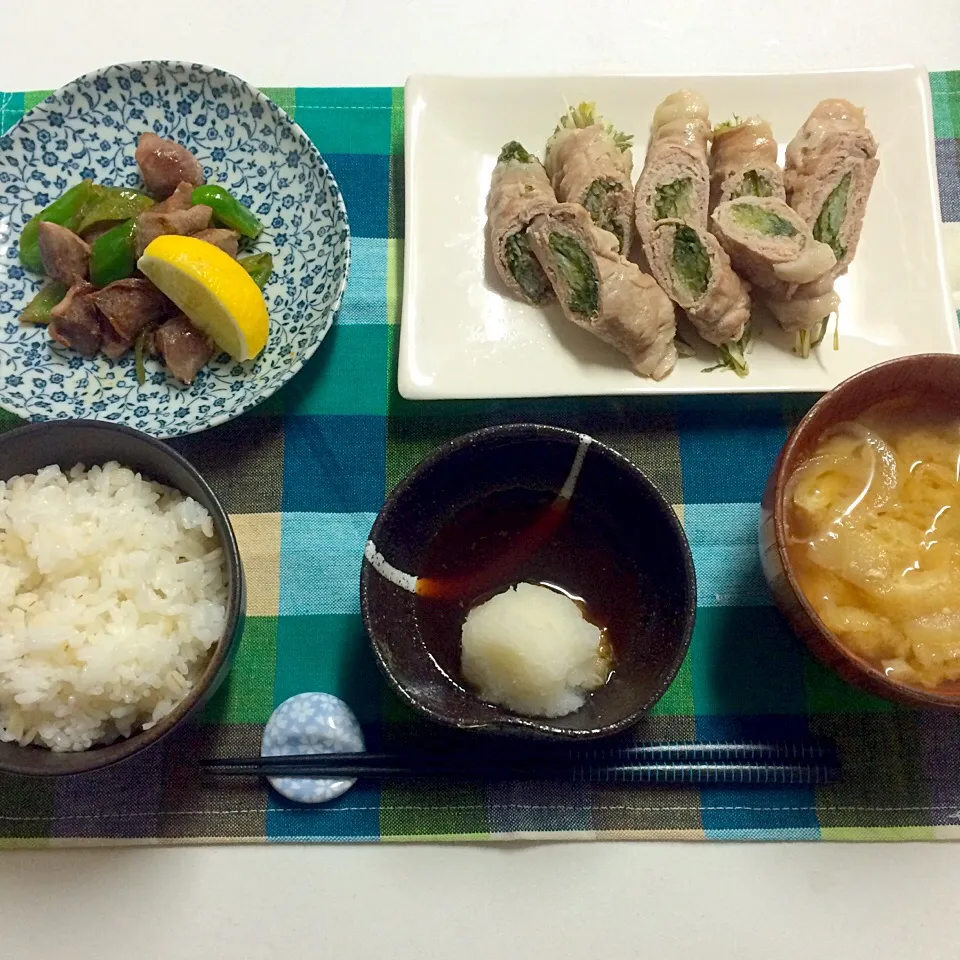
(87,244)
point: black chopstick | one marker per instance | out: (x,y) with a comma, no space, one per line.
(802,774)
(666,752)
(804,762)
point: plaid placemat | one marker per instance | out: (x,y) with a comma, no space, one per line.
(303,477)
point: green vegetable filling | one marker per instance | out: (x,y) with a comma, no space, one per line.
(514,151)
(673,200)
(585,115)
(755,184)
(756,218)
(727,125)
(691,264)
(599,203)
(575,266)
(526,269)
(832,214)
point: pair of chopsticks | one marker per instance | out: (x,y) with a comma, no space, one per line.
(798,763)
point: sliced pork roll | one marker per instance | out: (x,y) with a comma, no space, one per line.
(590,163)
(830,167)
(692,267)
(603,292)
(675,181)
(769,244)
(743,162)
(804,314)
(519,191)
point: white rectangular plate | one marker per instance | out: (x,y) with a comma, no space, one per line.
(462,336)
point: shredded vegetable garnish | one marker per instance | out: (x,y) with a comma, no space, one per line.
(585,115)
(805,340)
(727,125)
(733,355)
(820,333)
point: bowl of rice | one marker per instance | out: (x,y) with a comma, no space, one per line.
(121,595)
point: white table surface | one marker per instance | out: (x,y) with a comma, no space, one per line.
(605,900)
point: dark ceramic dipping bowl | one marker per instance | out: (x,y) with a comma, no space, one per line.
(632,539)
(927,380)
(67,443)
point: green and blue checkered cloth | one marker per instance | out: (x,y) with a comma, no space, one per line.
(303,477)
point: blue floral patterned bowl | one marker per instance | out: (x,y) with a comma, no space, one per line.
(89,128)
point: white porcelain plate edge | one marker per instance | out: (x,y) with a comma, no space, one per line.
(462,337)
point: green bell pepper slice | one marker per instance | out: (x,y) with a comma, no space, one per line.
(37,311)
(227,210)
(115,203)
(259,266)
(114,255)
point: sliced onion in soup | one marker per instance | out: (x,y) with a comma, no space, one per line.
(839,483)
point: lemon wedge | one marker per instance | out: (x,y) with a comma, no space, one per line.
(218,296)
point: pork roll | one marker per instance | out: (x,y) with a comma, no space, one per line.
(769,244)
(694,270)
(675,181)
(590,163)
(603,292)
(519,191)
(743,162)
(830,167)
(806,312)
